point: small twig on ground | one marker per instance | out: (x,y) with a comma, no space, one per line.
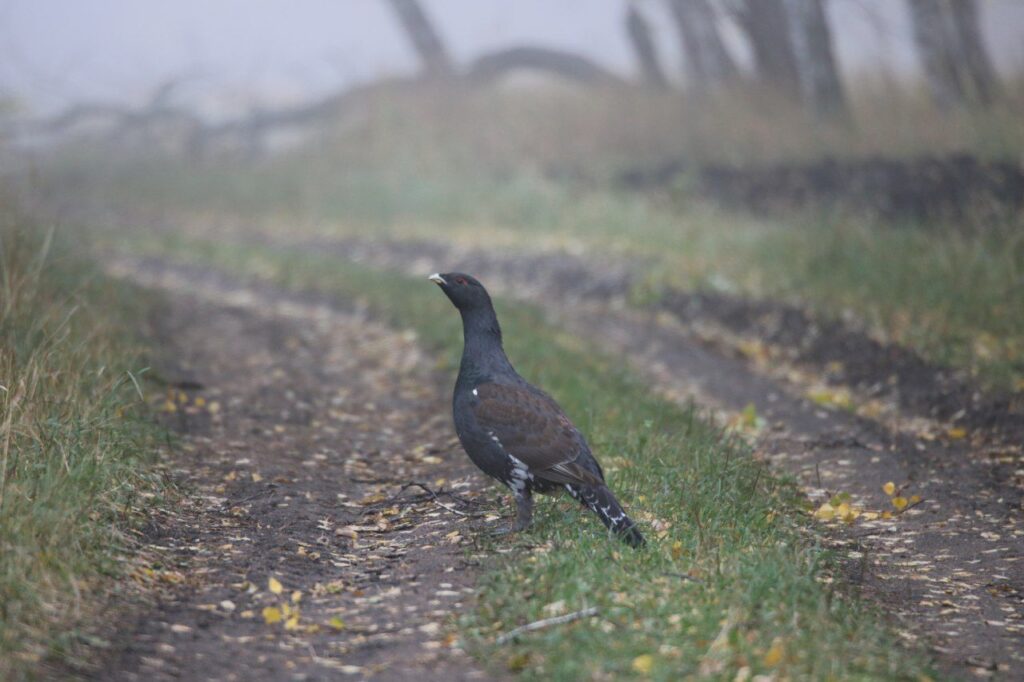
(433,496)
(546,622)
(270,490)
(683,576)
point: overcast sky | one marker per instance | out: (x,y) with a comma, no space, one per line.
(57,51)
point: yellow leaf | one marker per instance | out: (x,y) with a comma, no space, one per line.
(956,433)
(271,615)
(336,623)
(292,623)
(774,655)
(643,664)
(887,515)
(914,499)
(296,597)
(677,549)
(889,488)
(847,513)
(825,512)
(274,585)
(899,502)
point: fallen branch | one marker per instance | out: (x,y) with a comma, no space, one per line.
(546,622)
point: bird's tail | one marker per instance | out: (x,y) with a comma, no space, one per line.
(602,502)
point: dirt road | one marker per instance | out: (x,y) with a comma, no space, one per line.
(949,570)
(300,423)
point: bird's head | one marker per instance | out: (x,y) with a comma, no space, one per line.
(464,291)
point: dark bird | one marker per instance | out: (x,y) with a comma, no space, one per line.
(514,431)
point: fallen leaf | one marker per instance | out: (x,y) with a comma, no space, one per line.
(825,512)
(336,623)
(271,615)
(643,664)
(899,502)
(274,585)
(774,655)
(889,488)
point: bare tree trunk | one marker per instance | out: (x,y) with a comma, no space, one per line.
(639,32)
(767,28)
(820,83)
(934,43)
(708,63)
(976,66)
(425,40)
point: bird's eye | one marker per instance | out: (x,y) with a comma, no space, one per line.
(460,280)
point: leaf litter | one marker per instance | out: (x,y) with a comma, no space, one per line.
(329,500)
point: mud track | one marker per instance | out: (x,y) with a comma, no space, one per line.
(300,425)
(950,569)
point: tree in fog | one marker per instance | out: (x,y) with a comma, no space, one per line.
(820,84)
(976,65)
(707,62)
(765,24)
(424,38)
(952,51)
(639,32)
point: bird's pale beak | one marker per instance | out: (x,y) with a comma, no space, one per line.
(437,279)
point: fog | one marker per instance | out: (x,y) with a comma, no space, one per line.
(236,52)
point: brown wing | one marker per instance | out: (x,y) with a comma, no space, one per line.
(530,426)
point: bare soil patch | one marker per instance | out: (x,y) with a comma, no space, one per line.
(299,425)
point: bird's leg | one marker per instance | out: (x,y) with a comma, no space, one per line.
(524,510)
(524,513)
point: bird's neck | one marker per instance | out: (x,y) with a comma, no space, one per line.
(482,352)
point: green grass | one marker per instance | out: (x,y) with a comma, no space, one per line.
(72,444)
(733,578)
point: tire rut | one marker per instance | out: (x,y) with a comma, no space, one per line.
(299,424)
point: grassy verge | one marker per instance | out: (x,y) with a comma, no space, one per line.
(734,583)
(71,444)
